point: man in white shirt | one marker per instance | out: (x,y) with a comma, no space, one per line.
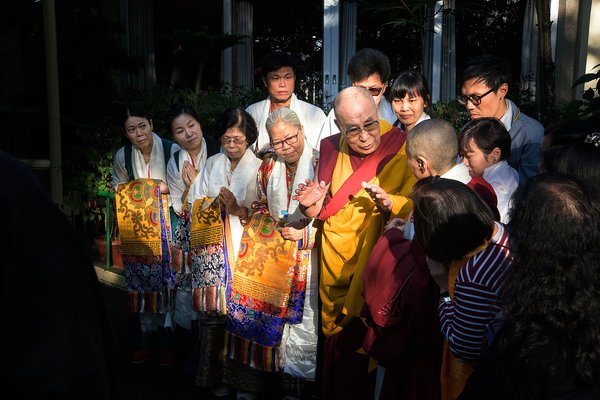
(368,68)
(279,77)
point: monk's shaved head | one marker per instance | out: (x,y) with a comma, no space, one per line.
(354,108)
(434,139)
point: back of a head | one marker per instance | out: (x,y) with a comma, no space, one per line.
(274,61)
(434,139)
(411,83)
(573,148)
(367,62)
(556,215)
(444,207)
(487,133)
(552,308)
(489,69)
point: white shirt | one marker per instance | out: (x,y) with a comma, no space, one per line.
(311,117)
(505,180)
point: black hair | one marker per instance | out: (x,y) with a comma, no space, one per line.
(489,69)
(412,83)
(274,61)
(133,110)
(451,220)
(552,307)
(573,148)
(487,133)
(237,118)
(367,62)
(178,109)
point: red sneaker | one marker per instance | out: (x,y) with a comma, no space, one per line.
(167,357)
(139,357)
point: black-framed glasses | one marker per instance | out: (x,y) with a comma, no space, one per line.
(369,127)
(374,91)
(473,98)
(235,140)
(289,141)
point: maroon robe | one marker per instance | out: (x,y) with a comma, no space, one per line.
(401,302)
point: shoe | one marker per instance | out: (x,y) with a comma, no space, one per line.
(139,356)
(167,357)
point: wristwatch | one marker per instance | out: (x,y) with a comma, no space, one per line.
(445,298)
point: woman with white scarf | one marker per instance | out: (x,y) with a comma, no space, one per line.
(231,177)
(287,341)
(182,169)
(148,282)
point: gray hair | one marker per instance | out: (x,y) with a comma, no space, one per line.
(285,115)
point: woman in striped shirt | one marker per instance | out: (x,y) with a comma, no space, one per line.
(469,257)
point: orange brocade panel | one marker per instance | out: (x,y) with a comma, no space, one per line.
(138,216)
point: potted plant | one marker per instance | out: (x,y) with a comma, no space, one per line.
(88,174)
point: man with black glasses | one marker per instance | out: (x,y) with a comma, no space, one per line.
(370,69)
(363,181)
(483,93)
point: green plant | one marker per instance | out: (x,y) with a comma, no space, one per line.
(591,96)
(88,171)
(451,112)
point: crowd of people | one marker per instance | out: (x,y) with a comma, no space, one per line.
(373,252)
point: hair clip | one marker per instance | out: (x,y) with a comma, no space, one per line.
(593,139)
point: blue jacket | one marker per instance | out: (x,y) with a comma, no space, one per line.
(527,136)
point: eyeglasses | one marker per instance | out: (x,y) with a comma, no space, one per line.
(473,98)
(235,140)
(289,141)
(369,127)
(374,91)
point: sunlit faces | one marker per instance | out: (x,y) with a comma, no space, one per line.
(280,84)
(187,132)
(287,140)
(374,85)
(360,114)
(234,143)
(139,132)
(492,104)
(476,160)
(409,109)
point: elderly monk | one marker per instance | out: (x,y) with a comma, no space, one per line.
(363,181)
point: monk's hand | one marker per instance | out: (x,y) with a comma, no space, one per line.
(188,173)
(396,223)
(378,195)
(230,203)
(439,273)
(290,233)
(310,195)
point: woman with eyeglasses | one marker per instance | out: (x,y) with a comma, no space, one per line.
(220,196)
(410,97)
(271,319)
